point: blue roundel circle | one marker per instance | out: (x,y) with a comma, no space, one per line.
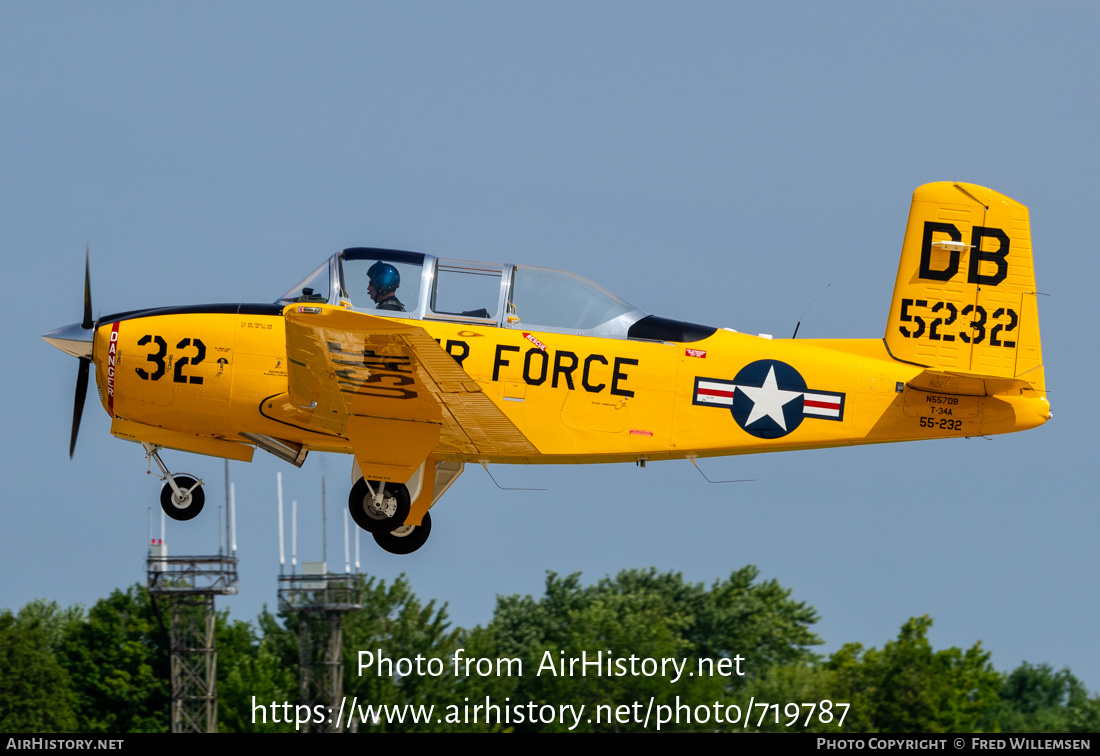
(767,400)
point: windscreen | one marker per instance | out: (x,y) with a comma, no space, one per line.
(313,288)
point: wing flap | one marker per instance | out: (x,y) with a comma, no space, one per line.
(389,387)
(315,399)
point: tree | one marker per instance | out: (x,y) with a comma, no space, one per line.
(56,621)
(394,624)
(757,620)
(118,663)
(1035,698)
(642,614)
(34,688)
(250,667)
(908,687)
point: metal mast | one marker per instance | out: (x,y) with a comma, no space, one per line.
(320,599)
(189,584)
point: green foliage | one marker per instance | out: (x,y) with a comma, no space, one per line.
(250,671)
(395,624)
(118,665)
(644,614)
(34,688)
(56,621)
(107,669)
(608,625)
(904,687)
(908,687)
(739,615)
(1038,699)
(800,683)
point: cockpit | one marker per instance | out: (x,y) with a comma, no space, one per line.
(393,283)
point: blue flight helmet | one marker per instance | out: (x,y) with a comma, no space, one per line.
(384,277)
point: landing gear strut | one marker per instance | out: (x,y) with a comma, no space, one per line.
(182,497)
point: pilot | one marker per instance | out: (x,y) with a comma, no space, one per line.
(384,280)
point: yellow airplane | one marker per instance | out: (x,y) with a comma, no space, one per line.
(417,365)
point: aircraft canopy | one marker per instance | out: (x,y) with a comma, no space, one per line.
(469,291)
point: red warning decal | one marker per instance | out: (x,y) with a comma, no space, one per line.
(534,341)
(112,363)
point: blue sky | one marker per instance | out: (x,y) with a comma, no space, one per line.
(713,162)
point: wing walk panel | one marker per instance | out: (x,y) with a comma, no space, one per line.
(469,415)
(374,378)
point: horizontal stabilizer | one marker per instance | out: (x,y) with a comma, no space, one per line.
(966,384)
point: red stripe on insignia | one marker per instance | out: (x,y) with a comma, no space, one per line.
(820,405)
(714,392)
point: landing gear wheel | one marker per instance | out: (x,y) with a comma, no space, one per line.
(407,538)
(188,503)
(374,518)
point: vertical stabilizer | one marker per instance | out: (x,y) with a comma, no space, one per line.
(964,300)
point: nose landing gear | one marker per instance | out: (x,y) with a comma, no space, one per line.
(182,497)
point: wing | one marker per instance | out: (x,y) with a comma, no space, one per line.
(389,388)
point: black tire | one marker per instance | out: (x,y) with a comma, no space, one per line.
(371,520)
(188,510)
(415,537)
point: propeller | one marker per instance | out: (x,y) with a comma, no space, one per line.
(85,364)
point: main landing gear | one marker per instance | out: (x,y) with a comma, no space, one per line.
(182,497)
(377,508)
(381,510)
(407,538)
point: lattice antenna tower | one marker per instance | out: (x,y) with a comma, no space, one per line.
(319,599)
(189,585)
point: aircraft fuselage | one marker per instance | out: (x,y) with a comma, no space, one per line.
(201,376)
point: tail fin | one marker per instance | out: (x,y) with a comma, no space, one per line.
(964,300)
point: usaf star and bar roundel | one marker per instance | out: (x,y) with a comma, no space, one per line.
(769,398)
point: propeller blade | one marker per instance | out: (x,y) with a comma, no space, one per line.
(87,322)
(78,401)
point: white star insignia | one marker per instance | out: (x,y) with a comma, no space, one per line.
(768,400)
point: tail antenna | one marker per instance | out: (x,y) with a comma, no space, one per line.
(811,304)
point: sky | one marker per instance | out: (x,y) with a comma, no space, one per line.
(712,162)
